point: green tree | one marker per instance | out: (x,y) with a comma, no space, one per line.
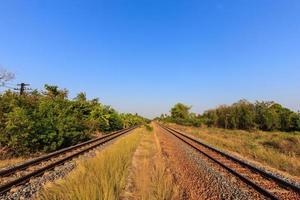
(246,115)
(294,119)
(81,97)
(180,111)
(48,121)
(53,91)
(267,116)
(19,130)
(210,118)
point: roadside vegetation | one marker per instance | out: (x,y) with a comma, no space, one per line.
(46,121)
(243,115)
(11,161)
(264,131)
(180,114)
(101,177)
(278,150)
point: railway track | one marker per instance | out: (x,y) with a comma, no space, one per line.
(22,173)
(265,183)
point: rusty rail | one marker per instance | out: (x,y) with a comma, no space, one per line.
(283,183)
(98,141)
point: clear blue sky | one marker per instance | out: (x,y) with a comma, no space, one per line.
(145,55)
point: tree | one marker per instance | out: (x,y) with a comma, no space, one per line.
(180,111)
(5,76)
(80,97)
(47,121)
(264,115)
(246,115)
(195,120)
(19,130)
(180,114)
(295,121)
(210,118)
(53,91)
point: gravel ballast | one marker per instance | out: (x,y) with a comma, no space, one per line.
(30,189)
(200,178)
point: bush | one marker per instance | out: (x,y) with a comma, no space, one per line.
(47,121)
(267,116)
(180,114)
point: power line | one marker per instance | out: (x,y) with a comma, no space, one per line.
(22,88)
(7,83)
(9,87)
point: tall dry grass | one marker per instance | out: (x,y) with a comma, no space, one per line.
(101,177)
(11,161)
(150,177)
(279,150)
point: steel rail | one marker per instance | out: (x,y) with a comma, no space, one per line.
(26,164)
(265,174)
(250,166)
(7,186)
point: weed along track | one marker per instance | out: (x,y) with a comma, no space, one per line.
(22,173)
(159,162)
(264,183)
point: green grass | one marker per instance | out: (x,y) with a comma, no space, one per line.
(279,150)
(101,177)
(149,127)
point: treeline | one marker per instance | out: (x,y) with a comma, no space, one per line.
(46,121)
(266,116)
(181,114)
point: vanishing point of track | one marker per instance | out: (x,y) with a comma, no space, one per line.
(265,183)
(22,173)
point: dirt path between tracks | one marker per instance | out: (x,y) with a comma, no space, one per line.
(150,177)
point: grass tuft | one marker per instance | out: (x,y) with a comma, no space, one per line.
(11,161)
(101,177)
(149,127)
(151,178)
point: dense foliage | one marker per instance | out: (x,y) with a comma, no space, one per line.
(48,120)
(267,116)
(180,114)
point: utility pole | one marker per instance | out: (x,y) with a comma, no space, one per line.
(22,88)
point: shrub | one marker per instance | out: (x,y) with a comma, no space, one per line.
(48,120)
(267,116)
